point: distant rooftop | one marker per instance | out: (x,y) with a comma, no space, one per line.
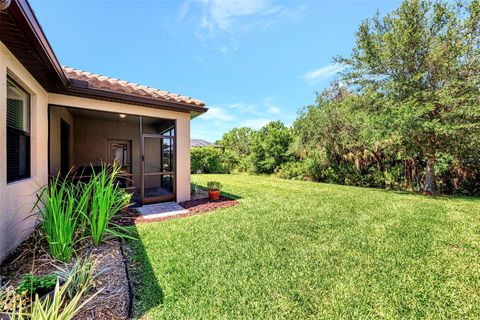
(202,143)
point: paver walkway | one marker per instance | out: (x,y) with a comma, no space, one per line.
(161,210)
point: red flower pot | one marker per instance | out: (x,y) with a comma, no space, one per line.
(214,195)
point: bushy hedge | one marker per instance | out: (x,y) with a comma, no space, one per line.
(206,160)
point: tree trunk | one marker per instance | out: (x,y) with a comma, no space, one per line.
(409,173)
(378,158)
(430,176)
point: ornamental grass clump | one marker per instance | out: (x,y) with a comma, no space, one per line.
(11,300)
(73,210)
(55,307)
(108,199)
(57,206)
(81,275)
(83,197)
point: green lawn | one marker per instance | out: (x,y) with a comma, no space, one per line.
(301,250)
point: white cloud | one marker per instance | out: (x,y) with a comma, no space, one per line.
(274,110)
(255,123)
(220,119)
(265,107)
(241,107)
(184,10)
(270,106)
(221,13)
(215,113)
(222,20)
(322,73)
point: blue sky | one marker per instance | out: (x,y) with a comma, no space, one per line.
(251,61)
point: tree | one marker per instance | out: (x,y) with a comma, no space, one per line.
(230,161)
(237,140)
(237,145)
(340,131)
(423,61)
(271,147)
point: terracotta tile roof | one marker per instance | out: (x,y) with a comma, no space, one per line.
(97,81)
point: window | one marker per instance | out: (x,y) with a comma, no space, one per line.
(18,132)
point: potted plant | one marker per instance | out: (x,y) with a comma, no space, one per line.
(214,190)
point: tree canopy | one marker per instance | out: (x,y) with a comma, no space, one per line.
(421,63)
(404,114)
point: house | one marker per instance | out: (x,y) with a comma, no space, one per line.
(55,118)
(194,143)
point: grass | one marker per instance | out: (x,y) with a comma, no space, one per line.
(298,250)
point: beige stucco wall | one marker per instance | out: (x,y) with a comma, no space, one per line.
(182,123)
(18,198)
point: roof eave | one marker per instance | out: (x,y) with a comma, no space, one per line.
(24,15)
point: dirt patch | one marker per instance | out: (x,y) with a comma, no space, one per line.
(111,303)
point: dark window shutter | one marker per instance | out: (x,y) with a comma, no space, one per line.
(18,137)
(15,114)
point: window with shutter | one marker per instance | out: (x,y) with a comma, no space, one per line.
(18,132)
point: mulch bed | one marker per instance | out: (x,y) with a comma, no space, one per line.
(112,303)
(205,205)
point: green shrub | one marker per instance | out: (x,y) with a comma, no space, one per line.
(293,170)
(206,160)
(83,195)
(316,164)
(245,164)
(229,161)
(32,284)
(236,145)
